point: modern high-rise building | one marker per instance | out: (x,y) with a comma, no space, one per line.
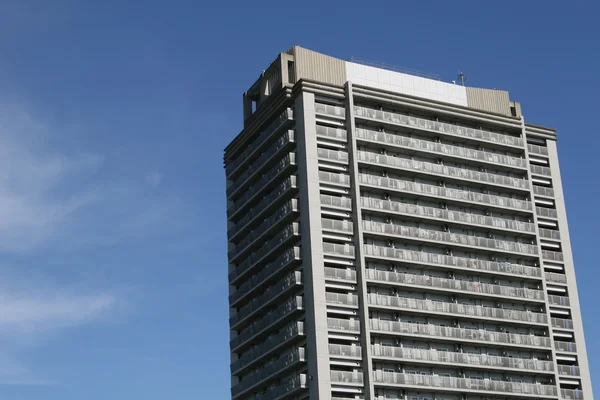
(393,236)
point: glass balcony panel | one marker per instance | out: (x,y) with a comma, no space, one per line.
(330,110)
(332,155)
(341,299)
(537,149)
(339,273)
(347,377)
(543,191)
(339,350)
(558,278)
(332,133)
(288,386)
(336,201)
(539,170)
(565,347)
(546,212)
(345,250)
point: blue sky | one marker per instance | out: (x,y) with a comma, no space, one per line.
(113,117)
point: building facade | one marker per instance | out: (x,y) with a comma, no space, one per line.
(392,236)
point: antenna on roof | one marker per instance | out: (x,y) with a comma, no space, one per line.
(462,78)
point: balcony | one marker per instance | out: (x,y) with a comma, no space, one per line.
(263,183)
(442,171)
(461,310)
(461,384)
(280,193)
(439,148)
(342,351)
(552,256)
(562,323)
(559,300)
(418,257)
(549,234)
(332,133)
(569,370)
(260,326)
(342,300)
(270,296)
(438,127)
(473,360)
(443,192)
(334,179)
(565,347)
(420,235)
(284,142)
(332,111)
(261,139)
(270,370)
(284,213)
(336,156)
(346,325)
(546,212)
(452,285)
(291,254)
(347,275)
(555,278)
(568,394)
(339,250)
(285,235)
(286,388)
(543,191)
(290,257)
(437,214)
(539,170)
(460,334)
(257,353)
(542,150)
(347,378)
(344,203)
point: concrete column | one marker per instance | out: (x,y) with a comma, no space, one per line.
(317,346)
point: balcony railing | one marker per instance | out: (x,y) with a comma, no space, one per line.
(546,212)
(448,215)
(337,225)
(338,350)
(462,310)
(268,297)
(557,278)
(271,269)
(340,299)
(569,370)
(259,326)
(335,179)
(552,255)
(333,155)
(284,141)
(462,334)
(454,284)
(539,170)
(332,133)
(285,116)
(439,148)
(562,323)
(354,378)
(344,250)
(266,226)
(281,237)
(420,234)
(543,191)
(286,387)
(568,394)
(257,353)
(567,347)
(549,234)
(543,150)
(559,300)
(258,186)
(288,256)
(269,370)
(421,381)
(441,170)
(443,357)
(437,191)
(438,127)
(278,194)
(333,111)
(452,261)
(336,201)
(339,324)
(342,274)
